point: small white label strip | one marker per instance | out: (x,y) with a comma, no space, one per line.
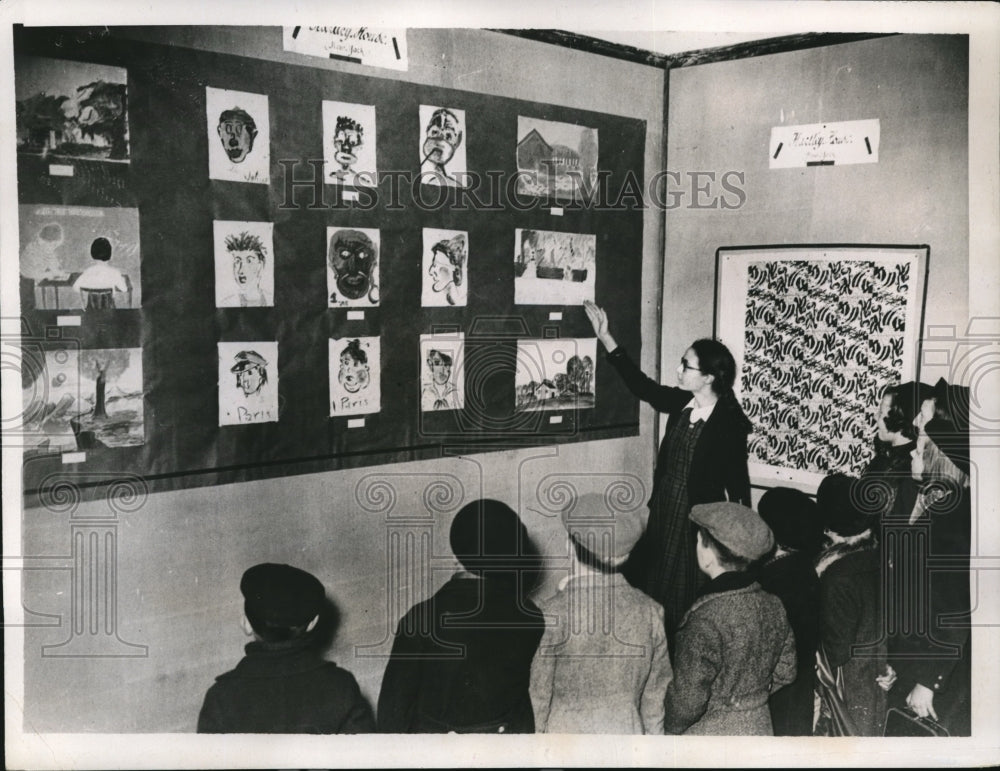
(60,170)
(74,457)
(356,423)
(355,315)
(555,316)
(557,211)
(68,321)
(555,419)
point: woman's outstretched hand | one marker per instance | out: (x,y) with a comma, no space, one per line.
(599,321)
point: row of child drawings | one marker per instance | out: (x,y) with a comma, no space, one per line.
(68,110)
(80,257)
(89,398)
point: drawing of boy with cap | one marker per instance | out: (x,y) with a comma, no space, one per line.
(734,645)
(283,684)
(602,665)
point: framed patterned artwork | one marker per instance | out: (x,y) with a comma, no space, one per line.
(817,332)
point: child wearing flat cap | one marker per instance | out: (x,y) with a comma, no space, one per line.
(602,666)
(283,685)
(734,645)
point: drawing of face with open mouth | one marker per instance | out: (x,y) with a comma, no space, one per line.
(443,136)
(237,131)
(247,267)
(354,374)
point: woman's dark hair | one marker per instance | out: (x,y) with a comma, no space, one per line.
(726,557)
(716,360)
(901,410)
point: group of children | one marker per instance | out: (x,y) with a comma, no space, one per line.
(794,606)
(480,656)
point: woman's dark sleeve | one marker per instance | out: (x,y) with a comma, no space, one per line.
(737,474)
(660,397)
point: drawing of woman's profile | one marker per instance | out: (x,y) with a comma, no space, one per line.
(447,269)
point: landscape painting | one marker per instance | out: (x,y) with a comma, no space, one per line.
(552,268)
(67,109)
(555,374)
(555,159)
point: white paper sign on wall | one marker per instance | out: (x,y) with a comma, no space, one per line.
(373,46)
(824,144)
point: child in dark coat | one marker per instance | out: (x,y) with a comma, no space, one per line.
(734,646)
(283,685)
(461,658)
(789,574)
(852,650)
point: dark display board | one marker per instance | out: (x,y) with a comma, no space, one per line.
(174,319)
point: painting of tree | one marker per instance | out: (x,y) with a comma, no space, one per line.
(102,366)
(102,113)
(38,117)
(71,109)
(110,381)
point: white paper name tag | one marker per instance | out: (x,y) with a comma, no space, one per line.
(355,315)
(74,457)
(68,321)
(356,423)
(554,419)
(60,170)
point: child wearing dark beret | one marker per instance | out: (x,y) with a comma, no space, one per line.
(283,684)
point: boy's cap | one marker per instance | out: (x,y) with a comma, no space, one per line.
(793,518)
(281,595)
(245,359)
(737,527)
(607,534)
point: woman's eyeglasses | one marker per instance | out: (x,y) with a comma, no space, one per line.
(685,366)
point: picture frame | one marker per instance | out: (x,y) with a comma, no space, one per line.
(818,332)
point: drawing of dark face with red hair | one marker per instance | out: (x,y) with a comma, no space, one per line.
(237,131)
(352,258)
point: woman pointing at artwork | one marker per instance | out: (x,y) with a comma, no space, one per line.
(703,458)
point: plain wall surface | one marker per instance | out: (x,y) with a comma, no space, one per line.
(720,119)
(179,556)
